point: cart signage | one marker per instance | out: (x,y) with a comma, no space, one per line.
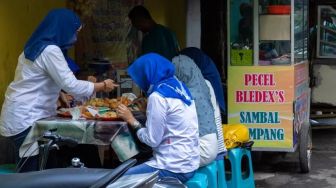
(261,98)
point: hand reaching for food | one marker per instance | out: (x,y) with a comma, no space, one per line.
(109,85)
(124,113)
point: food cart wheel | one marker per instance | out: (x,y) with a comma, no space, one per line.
(305,147)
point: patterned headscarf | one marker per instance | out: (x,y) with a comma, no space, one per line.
(188,72)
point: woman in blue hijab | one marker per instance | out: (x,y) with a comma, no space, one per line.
(213,80)
(42,71)
(171,128)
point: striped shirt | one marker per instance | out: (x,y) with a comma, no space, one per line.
(218,119)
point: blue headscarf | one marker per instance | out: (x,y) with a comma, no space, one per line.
(209,72)
(58,28)
(152,72)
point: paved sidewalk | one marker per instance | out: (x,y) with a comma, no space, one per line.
(277,170)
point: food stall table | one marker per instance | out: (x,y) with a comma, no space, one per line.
(101,133)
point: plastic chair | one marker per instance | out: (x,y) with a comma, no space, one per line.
(199,180)
(240,178)
(7,168)
(221,174)
(210,171)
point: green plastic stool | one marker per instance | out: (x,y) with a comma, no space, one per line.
(210,171)
(239,179)
(199,180)
(221,174)
(7,168)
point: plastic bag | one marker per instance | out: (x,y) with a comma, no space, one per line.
(235,135)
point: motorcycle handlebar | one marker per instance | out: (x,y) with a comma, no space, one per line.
(60,140)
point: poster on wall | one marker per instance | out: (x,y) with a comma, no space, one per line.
(107,33)
(262,99)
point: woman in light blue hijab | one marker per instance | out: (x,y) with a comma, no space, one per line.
(188,72)
(213,80)
(171,128)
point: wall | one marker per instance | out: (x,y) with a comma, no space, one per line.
(18,19)
(171,13)
(193,24)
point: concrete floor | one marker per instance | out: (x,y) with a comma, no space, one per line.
(277,170)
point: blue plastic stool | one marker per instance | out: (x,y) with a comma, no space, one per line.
(7,168)
(210,171)
(221,174)
(199,180)
(238,178)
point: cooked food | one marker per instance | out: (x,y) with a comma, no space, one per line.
(110,114)
(111,103)
(85,113)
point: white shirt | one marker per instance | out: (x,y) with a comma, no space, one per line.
(172,132)
(34,92)
(218,119)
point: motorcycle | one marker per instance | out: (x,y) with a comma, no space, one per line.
(76,176)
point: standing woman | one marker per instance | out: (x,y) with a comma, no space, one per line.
(42,71)
(171,128)
(189,73)
(213,81)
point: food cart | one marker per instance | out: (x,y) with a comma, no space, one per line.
(268,80)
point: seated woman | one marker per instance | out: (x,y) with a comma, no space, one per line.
(213,80)
(189,73)
(171,127)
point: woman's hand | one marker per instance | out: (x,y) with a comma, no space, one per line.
(124,113)
(107,86)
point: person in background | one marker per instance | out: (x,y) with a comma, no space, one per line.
(171,128)
(42,71)
(213,81)
(157,38)
(188,72)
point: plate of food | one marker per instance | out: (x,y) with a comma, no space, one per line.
(109,116)
(83,112)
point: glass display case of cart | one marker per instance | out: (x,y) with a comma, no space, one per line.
(268,32)
(274,32)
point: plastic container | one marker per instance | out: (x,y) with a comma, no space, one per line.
(279,9)
(241,57)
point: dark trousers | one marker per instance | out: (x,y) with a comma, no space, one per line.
(30,163)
